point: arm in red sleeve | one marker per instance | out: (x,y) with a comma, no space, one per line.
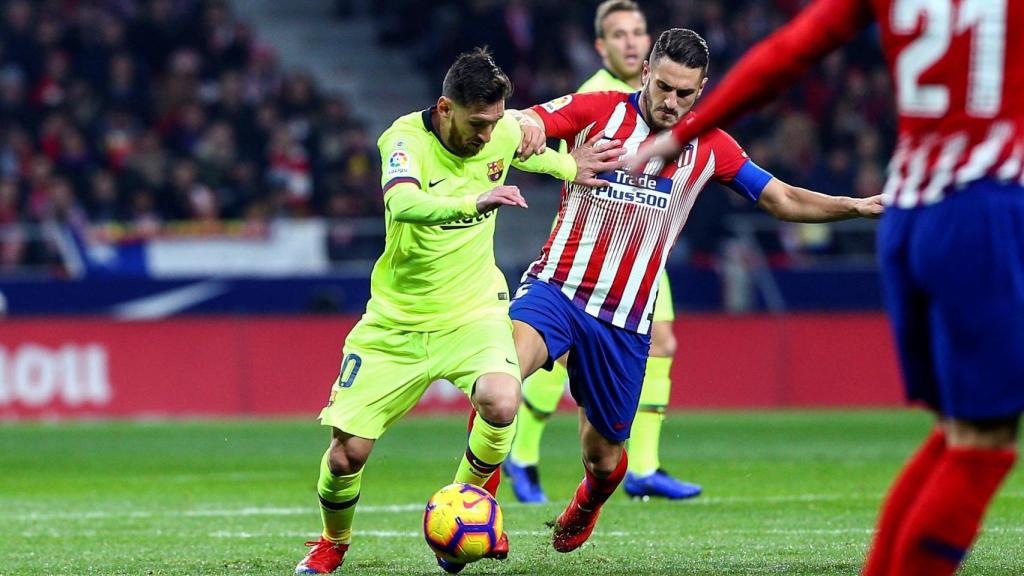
(775,63)
(564,117)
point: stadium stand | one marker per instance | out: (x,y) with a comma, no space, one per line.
(131,116)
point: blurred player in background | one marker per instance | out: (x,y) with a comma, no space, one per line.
(436,292)
(623,42)
(592,291)
(951,244)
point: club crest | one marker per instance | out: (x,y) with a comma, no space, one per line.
(495,170)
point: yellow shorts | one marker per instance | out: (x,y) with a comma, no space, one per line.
(385,371)
(663,307)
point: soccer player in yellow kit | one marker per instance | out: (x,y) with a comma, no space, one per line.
(623,43)
(438,305)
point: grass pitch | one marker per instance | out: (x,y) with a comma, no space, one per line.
(792,493)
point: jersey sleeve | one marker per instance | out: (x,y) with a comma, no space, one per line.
(403,158)
(564,117)
(735,169)
(774,64)
(555,163)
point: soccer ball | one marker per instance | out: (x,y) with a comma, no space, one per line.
(462,523)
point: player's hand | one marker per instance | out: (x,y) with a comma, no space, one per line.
(500,196)
(595,157)
(664,145)
(870,207)
(534,140)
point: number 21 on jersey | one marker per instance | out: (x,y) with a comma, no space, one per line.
(985,20)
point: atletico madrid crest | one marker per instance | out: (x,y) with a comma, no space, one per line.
(686,156)
(495,169)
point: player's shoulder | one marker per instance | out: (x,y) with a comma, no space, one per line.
(586,100)
(506,132)
(407,131)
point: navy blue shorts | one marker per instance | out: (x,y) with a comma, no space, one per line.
(606,363)
(953,276)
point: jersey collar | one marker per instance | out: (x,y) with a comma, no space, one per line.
(634,101)
(429,127)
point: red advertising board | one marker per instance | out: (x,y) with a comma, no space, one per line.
(285,365)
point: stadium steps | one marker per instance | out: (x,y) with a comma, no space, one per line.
(342,55)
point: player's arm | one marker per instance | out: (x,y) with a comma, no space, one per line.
(785,202)
(534,140)
(795,204)
(581,166)
(768,69)
(407,201)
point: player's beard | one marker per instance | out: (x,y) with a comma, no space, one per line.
(461,145)
(652,120)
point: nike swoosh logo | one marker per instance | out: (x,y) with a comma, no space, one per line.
(432,184)
(510,362)
(469,505)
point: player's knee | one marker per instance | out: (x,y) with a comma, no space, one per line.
(664,346)
(497,398)
(344,462)
(499,408)
(987,433)
(602,463)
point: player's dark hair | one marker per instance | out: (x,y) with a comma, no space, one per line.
(474,78)
(682,46)
(610,7)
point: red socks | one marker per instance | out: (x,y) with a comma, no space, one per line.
(593,491)
(901,497)
(934,509)
(941,525)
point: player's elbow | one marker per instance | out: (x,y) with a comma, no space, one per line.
(780,202)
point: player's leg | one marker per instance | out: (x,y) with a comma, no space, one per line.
(495,396)
(907,304)
(943,522)
(480,360)
(541,394)
(381,378)
(606,367)
(604,465)
(341,471)
(645,476)
(976,322)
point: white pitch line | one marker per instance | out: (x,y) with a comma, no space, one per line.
(379,534)
(704,500)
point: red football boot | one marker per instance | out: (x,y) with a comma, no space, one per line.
(323,558)
(573,527)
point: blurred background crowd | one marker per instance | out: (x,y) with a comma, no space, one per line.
(135,116)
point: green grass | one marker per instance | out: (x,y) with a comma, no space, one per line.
(792,493)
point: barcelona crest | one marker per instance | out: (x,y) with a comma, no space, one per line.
(495,169)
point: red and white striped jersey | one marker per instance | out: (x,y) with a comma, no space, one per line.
(958,68)
(609,245)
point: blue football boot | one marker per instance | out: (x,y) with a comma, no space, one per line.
(450,567)
(525,482)
(659,484)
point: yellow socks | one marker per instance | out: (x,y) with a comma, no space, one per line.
(646,432)
(489,444)
(338,497)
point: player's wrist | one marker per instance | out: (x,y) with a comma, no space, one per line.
(471,204)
